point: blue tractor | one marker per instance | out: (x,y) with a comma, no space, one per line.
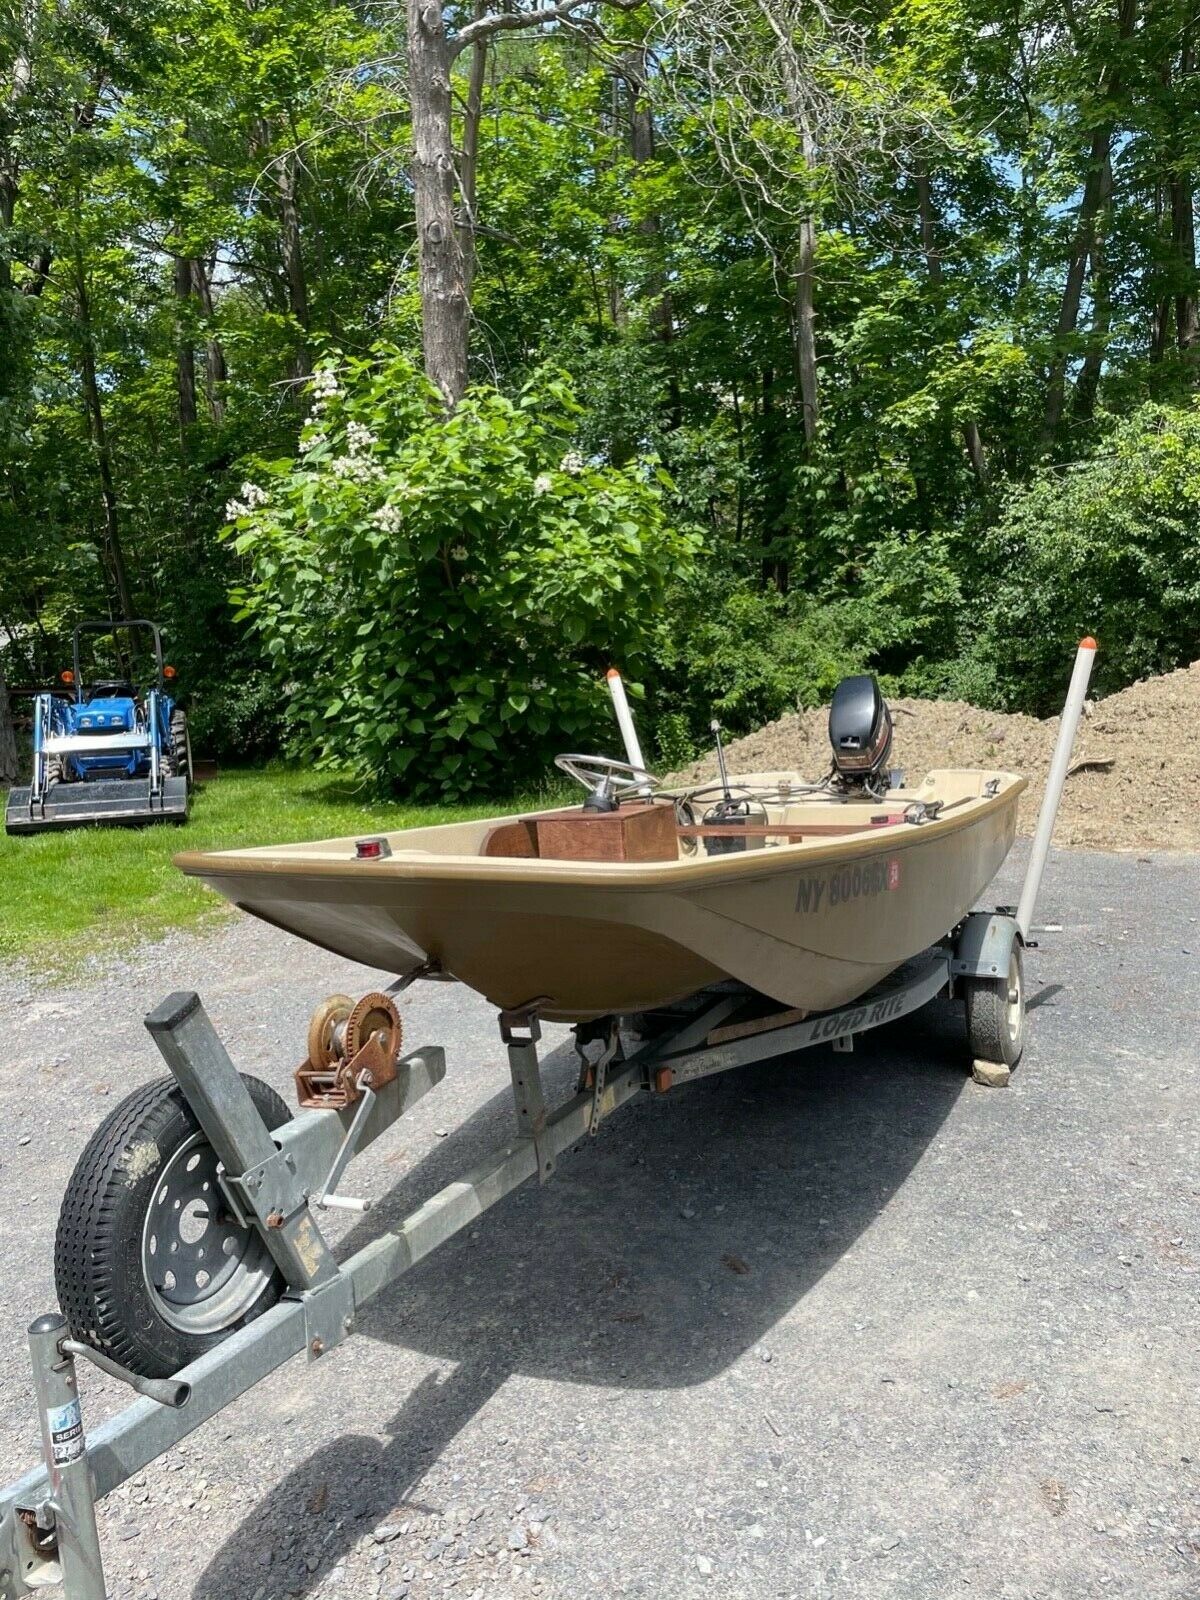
(106,750)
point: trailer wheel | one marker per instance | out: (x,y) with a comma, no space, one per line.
(147,1264)
(996,1014)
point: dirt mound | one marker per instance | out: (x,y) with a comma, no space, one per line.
(1139,793)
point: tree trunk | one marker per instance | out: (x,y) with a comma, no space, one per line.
(99,437)
(292,254)
(776,567)
(20,76)
(10,760)
(216,373)
(933,259)
(445,307)
(1183,239)
(1095,192)
(1183,228)
(933,265)
(805,328)
(1068,313)
(185,353)
(468,172)
(1160,314)
(1088,381)
(642,148)
(804,310)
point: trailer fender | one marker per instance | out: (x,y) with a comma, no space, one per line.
(984,945)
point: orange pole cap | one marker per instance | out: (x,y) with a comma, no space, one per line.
(1087,644)
(612,673)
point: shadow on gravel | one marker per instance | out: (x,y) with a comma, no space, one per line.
(654,1259)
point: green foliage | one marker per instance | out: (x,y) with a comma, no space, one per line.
(747,654)
(1110,547)
(441,594)
(236,718)
(199,197)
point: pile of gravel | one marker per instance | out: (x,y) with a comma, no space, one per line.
(1136,783)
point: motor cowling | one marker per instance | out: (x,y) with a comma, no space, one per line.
(860,729)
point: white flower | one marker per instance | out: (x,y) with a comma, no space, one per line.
(357,469)
(388,518)
(359,438)
(459,552)
(310,441)
(542,484)
(253,495)
(325,389)
(235,509)
(572,462)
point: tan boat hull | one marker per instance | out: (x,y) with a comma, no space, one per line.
(813,924)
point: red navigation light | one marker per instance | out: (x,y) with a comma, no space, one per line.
(372,849)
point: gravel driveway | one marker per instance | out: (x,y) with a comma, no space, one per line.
(849,1327)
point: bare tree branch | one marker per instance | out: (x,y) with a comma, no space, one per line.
(505,21)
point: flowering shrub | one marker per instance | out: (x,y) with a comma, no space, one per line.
(442,594)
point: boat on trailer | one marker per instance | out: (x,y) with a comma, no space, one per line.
(761,917)
(588,913)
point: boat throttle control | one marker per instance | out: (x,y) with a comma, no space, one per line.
(730,814)
(860,731)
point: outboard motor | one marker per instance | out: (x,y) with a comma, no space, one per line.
(860,730)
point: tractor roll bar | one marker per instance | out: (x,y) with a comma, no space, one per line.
(116,627)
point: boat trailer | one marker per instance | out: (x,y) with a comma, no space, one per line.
(274,1183)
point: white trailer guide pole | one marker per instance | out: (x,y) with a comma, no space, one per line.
(633,749)
(1076,694)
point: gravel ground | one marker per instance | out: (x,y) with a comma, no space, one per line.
(849,1327)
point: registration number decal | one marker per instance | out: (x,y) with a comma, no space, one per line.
(821,889)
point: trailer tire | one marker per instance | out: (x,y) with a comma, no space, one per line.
(996,1014)
(149,1159)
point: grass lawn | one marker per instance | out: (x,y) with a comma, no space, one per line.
(64,896)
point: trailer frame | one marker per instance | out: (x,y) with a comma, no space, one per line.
(48,1530)
(272,1181)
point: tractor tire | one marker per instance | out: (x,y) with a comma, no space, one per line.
(148,1266)
(56,770)
(179,763)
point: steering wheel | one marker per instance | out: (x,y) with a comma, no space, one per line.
(594,771)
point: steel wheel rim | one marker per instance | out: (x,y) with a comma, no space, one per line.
(1014,1008)
(202,1274)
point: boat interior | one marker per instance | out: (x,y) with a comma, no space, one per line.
(771,811)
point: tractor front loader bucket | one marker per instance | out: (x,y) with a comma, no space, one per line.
(107,800)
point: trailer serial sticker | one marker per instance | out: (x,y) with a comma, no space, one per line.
(65,1426)
(847,883)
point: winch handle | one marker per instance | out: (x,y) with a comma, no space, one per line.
(1085,658)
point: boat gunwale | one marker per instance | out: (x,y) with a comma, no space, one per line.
(626,876)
